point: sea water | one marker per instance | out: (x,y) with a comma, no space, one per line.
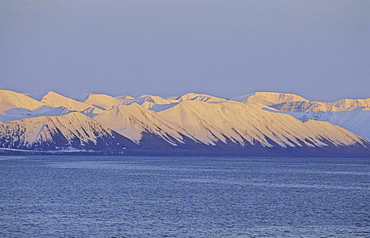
(77,196)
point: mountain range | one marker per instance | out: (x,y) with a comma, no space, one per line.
(259,124)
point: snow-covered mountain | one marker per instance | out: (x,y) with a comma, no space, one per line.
(103,101)
(199,97)
(10,100)
(351,114)
(73,131)
(269,98)
(133,120)
(53,99)
(147,101)
(306,106)
(261,124)
(250,124)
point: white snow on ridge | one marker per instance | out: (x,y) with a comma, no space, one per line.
(147,101)
(209,123)
(349,104)
(72,125)
(132,120)
(199,97)
(10,99)
(351,114)
(153,99)
(103,101)
(56,100)
(202,118)
(16,106)
(269,98)
(356,120)
(313,106)
(125,97)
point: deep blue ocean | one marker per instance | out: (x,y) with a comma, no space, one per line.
(113,196)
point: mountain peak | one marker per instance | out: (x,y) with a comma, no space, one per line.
(10,99)
(264,124)
(347,104)
(270,98)
(54,99)
(199,97)
(103,101)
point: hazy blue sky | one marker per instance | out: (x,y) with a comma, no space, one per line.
(317,49)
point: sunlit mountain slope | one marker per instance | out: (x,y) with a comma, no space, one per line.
(269,98)
(261,124)
(240,123)
(56,100)
(133,120)
(351,114)
(10,100)
(73,131)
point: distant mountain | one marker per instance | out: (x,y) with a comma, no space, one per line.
(53,99)
(306,106)
(351,114)
(199,97)
(250,124)
(10,100)
(261,124)
(102,101)
(269,98)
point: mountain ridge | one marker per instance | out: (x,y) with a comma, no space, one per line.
(261,124)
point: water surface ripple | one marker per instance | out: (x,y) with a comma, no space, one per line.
(79,196)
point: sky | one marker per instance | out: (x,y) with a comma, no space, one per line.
(317,49)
